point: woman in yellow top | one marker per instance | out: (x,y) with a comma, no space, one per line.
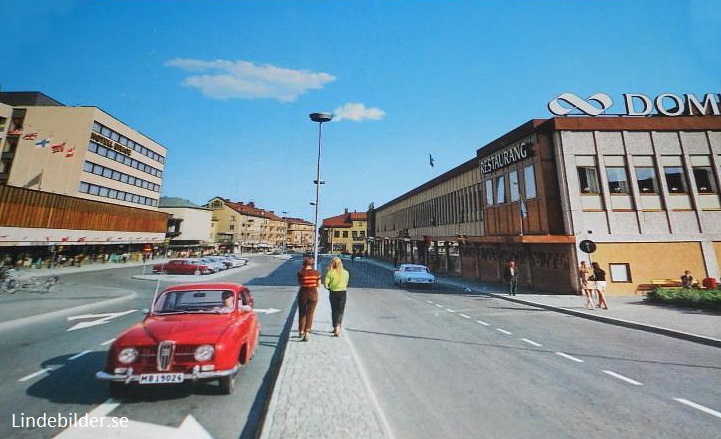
(336,280)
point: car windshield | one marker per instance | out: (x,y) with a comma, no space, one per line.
(190,301)
(417,269)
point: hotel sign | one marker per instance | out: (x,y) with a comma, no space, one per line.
(637,104)
(507,156)
(110,144)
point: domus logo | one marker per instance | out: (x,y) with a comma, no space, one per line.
(637,104)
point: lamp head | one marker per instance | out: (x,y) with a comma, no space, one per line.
(321,117)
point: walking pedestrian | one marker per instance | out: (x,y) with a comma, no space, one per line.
(336,280)
(599,277)
(309,281)
(584,276)
(511,276)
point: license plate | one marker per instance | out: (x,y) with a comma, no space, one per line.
(161,378)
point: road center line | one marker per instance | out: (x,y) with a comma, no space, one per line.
(439,305)
(464,316)
(449,310)
(504,331)
(699,407)
(33,375)
(531,342)
(623,378)
(577,360)
(483,323)
(78,355)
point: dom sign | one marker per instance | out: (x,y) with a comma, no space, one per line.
(637,104)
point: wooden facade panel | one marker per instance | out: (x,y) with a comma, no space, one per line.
(33,209)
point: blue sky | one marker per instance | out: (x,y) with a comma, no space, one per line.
(227,86)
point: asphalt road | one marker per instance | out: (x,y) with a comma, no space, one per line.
(442,364)
(439,364)
(49,367)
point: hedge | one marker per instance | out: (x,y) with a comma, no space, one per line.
(686,298)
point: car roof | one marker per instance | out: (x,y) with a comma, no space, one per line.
(206,286)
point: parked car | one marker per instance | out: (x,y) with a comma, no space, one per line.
(215,265)
(190,334)
(183,266)
(413,274)
(241,260)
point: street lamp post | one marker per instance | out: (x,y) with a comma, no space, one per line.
(320,118)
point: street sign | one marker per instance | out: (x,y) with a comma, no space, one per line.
(587,246)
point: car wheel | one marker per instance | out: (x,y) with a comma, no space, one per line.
(117,389)
(227,384)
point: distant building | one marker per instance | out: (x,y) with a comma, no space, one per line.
(244,227)
(345,233)
(189,225)
(76,180)
(300,234)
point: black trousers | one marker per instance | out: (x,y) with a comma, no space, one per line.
(337,306)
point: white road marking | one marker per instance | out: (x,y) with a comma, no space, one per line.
(33,375)
(429,301)
(531,342)
(699,407)
(439,305)
(577,360)
(623,378)
(449,310)
(504,331)
(107,342)
(78,355)
(483,323)
(464,316)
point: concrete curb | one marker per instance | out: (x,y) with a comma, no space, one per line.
(709,341)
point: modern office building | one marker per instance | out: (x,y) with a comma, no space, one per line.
(68,168)
(643,190)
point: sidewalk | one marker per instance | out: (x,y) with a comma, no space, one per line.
(320,391)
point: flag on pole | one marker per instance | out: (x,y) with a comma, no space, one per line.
(430,159)
(58,147)
(524,212)
(43,143)
(70,152)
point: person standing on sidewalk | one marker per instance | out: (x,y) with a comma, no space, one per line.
(584,274)
(309,281)
(511,276)
(599,277)
(336,280)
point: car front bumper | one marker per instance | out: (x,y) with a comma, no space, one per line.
(195,375)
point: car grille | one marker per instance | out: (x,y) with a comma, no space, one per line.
(167,356)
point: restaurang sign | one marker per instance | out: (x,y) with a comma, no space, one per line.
(637,104)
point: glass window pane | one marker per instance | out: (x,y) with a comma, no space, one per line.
(513,185)
(588,180)
(675,180)
(617,180)
(501,189)
(647,182)
(489,192)
(529,180)
(705,181)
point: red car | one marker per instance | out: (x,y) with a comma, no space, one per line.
(193,332)
(183,266)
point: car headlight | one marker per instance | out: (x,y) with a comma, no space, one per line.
(204,352)
(127,355)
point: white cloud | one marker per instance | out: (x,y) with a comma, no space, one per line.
(357,112)
(221,79)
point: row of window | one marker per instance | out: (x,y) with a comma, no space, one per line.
(645,172)
(116,137)
(355,234)
(103,171)
(101,191)
(506,188)
(124,159)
